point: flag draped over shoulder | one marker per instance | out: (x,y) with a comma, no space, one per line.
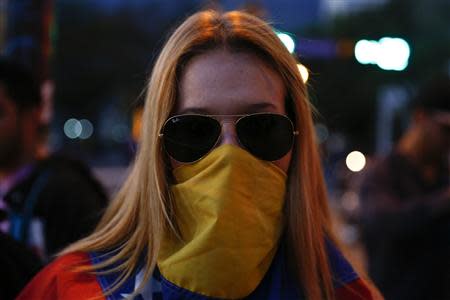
(59,280)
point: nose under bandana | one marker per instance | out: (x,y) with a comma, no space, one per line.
(228,209)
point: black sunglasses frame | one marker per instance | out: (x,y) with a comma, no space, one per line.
(216,119)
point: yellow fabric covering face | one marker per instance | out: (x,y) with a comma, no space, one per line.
(228,208)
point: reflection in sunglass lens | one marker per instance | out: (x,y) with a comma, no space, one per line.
(266,136)
(188,138)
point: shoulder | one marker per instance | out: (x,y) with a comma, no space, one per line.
(69,169)
(349,285)
(357,290)
(70,183)
(59,280)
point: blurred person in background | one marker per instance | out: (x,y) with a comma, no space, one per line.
(225,199)
(405,202)
(18,264)
(46,202)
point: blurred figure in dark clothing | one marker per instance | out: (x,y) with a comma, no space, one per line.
(18,265)
(406,205)
(46,203)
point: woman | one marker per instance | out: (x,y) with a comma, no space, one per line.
(226,198)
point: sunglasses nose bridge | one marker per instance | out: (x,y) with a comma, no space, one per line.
(228,133)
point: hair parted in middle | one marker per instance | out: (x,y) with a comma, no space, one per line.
(135,221)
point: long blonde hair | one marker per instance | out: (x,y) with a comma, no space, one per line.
(134,222)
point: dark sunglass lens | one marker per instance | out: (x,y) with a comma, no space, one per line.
(266,136)
(187,138)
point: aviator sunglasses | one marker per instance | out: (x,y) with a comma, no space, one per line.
(188,138)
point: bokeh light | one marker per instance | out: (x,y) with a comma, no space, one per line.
(287,41)
(394,54)
(87,129)
(303,72)
(73,128)
(355,161)
(366,52)
(388,53)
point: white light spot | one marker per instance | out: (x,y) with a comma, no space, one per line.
(72,128)
(355,161)
(303,72)
(394,54)
(388,53)
(287,41)
(366,52)
(87,129)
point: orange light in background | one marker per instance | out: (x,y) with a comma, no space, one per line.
(345,48)
(137,123)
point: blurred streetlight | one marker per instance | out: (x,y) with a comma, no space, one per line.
(303,72)
(388,53)
(287,40)
(72,128)
(86,129)
(355,161)
(82,129)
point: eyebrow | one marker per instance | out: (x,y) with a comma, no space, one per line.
(251,108)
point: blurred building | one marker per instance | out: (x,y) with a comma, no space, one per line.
(331,8)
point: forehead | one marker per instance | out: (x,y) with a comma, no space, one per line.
(223,82)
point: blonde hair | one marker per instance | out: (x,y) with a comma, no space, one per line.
(134,223)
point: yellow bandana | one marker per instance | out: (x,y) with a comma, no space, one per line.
(228,208)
